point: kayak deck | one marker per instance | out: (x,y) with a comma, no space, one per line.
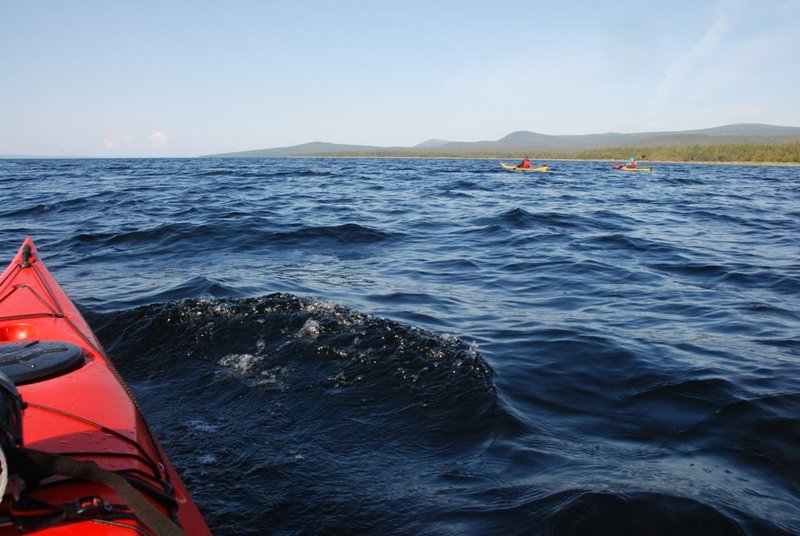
(78,405)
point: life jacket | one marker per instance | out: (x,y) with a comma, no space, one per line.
(526,163)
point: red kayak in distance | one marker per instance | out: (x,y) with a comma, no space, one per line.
(78,457)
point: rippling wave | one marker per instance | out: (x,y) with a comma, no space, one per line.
(333,389)
(440,346)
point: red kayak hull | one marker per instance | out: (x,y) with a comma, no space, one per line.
(85,411)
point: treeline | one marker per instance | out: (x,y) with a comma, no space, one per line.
(784,153)
(781,153)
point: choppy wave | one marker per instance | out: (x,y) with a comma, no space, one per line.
(442,347)
(315,381)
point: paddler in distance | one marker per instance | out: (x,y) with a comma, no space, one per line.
(525,164)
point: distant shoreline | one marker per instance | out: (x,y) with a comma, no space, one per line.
(499,158)
(738,143)
(408,157)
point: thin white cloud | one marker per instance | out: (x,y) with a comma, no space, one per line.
(751,112)
(126,142)
(113,141)
(685,66)
(158,140)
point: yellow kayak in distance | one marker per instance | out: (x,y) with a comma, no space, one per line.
(626,168)
(517,168)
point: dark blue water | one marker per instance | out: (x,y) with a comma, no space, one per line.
(440,347)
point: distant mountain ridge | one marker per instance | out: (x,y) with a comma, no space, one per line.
(431,143)
(526,141)
(314,147)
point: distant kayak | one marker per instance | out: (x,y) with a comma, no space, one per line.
(627,168)
(517,168)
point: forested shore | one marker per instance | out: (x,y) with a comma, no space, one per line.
(783,153)
(777,153)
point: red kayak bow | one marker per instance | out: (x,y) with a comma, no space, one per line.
(89,463)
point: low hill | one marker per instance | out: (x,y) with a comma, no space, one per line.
(431,143)
(313,148)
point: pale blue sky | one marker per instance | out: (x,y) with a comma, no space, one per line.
(183,78)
